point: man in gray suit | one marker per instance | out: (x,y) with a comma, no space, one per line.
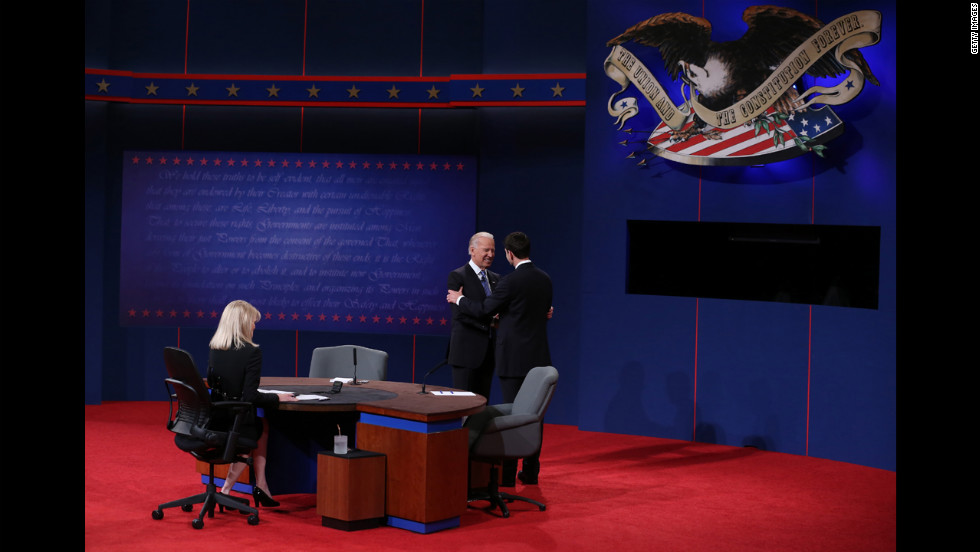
(523,301)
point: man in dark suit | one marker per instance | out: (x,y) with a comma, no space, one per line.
(523,301)
(471,342)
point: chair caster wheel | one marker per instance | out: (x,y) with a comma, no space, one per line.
(157,514)
(253,519)
(187,507)
(197,523)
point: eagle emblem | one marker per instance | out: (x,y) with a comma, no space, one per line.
(744,100)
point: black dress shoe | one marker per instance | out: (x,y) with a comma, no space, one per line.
(262,498)
(527,478)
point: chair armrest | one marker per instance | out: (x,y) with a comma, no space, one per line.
(510,421)
(232,405)
(240,408)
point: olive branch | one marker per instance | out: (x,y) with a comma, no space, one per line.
(770,123)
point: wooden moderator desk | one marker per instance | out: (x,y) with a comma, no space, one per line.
(421,436)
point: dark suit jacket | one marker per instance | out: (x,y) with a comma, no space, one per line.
(235,375)
(522,298)
(470,340)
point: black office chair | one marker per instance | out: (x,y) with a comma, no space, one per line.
(511,431)
(194,434)
(338,362)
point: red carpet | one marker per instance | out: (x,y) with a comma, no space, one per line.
(603,492)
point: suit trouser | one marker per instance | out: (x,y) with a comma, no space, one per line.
(477,380)
(532,464)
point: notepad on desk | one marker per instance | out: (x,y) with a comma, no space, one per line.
(312,398)
(306,397)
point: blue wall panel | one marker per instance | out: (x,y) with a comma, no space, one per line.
(637,365)
(752,371)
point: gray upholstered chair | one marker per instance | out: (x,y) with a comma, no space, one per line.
(506,431)
(338,362)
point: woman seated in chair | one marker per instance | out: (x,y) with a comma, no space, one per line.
(234,369)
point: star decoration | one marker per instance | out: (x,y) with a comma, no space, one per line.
(393,92)
(353,91)
(273,91)
(103,86)
(557,89)
(314,91)
(151,89)
(192,90)
(433,93)
(518,91)
(477,91)
(233,90)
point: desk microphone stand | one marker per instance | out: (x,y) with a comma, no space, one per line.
(355,367)
(433,369)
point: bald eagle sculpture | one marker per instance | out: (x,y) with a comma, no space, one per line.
(722,73)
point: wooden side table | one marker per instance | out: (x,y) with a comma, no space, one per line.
(350,489)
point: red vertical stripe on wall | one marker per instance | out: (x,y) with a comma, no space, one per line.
(809,351)
(809,337)
(694,413)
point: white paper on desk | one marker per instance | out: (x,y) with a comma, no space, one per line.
(342,380)
(455,393)
(312,398)
(274,391)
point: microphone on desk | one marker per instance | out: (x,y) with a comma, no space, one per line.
(431,370)
(355,367)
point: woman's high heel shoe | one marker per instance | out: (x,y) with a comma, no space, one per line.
(262,498)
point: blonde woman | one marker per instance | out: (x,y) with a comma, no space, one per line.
(234,369)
